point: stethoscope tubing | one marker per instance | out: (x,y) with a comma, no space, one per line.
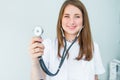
(65,52)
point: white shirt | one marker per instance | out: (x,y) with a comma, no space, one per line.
(71,68)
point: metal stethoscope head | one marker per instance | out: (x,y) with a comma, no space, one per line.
(38,31)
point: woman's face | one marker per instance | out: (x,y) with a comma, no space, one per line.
(72,20)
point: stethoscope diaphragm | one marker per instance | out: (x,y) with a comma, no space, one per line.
(38,31)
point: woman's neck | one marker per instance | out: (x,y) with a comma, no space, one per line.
(70,38)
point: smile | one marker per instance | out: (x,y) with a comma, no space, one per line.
(71,27)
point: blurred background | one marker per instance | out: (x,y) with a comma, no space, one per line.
(19,17)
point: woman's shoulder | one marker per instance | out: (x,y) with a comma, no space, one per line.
(95,44)
(96,48)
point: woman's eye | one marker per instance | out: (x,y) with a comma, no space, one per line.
(66,16)
(77,16)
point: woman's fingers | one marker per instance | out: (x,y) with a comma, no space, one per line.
(38,50)
(36,47)
(36,39)
(35,53)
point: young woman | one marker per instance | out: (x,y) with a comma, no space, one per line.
(83,61)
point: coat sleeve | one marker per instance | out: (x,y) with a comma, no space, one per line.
(99,68)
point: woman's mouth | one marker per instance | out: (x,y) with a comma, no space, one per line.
(71,27)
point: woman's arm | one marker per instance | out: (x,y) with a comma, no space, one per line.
(37,72)
(36,49)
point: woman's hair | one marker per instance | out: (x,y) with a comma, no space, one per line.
(84,39)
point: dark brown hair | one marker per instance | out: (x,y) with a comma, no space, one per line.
(85,38)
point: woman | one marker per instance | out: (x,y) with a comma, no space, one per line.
(83,61)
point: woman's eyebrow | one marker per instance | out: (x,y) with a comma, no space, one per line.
(74,14)
(77,14)
(66,14)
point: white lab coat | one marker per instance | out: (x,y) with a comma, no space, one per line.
(71,68)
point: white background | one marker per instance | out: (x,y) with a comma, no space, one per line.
(18,18)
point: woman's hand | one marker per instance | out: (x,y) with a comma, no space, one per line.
(36,48)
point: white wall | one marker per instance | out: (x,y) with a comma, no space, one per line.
(18,18)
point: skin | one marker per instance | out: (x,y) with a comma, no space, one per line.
(71,23)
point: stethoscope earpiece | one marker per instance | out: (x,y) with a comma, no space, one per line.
(62,32)
(80,31)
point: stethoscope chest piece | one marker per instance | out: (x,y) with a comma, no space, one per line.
(38,31)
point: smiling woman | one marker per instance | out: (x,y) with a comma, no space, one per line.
(73,52)
(19,17)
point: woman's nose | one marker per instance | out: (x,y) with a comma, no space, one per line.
(71,21)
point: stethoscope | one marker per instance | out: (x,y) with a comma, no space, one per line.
(38,31)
